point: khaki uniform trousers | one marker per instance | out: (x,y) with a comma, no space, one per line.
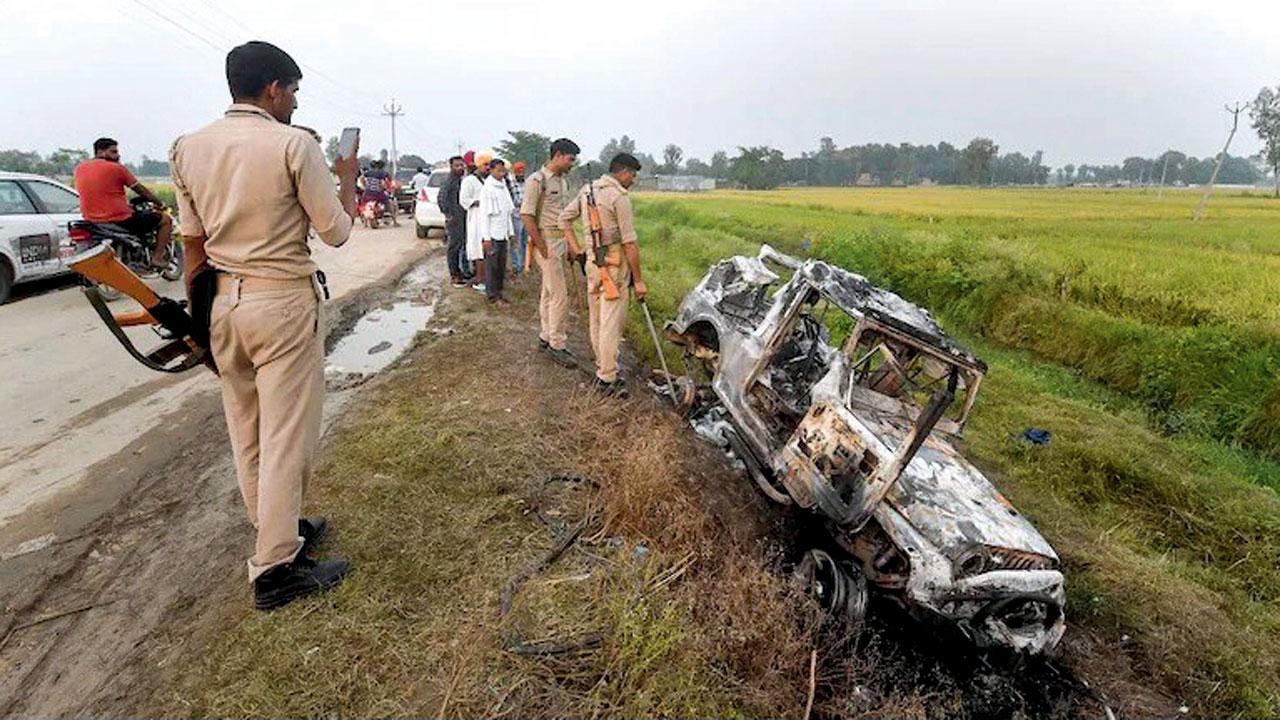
(607,319)
(553,306)
(266,337)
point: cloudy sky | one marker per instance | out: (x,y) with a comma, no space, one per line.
(1083,80)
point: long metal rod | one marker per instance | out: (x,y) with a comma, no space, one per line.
(657,347)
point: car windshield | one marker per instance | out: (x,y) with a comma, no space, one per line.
(405,175)
(438,178)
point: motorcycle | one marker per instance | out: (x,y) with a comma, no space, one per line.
(134,251)
(372,208)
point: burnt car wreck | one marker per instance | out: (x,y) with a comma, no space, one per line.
(844,399)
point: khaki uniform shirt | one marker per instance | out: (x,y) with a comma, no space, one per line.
(617,221)
(552,191)
(252,186)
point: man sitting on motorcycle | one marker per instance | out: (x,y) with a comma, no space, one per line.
(101,183)
(377,183)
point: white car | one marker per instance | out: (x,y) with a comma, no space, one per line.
(34,212)
(426,213)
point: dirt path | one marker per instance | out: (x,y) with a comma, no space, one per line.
(108,569)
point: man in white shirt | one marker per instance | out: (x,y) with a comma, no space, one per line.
(469,198)
(496,227)
(420,180)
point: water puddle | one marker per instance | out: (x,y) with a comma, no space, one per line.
(385,332)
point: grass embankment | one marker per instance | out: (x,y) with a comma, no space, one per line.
(436,487)
(1169,540)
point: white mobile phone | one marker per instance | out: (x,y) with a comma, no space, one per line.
(347,143)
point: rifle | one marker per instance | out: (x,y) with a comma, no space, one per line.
(599,250)
(186,339)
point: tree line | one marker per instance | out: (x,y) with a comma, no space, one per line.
(980,162)
(62,163)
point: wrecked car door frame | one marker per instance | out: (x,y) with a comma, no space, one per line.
(792,457)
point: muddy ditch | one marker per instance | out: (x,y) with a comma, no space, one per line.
(379,326)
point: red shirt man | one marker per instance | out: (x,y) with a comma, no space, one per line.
(101,183)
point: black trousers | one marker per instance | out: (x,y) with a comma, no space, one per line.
(495,269)
(455,251)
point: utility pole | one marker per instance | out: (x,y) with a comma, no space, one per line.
(458,144)
(393,111)
(1163,174)
(1208,190)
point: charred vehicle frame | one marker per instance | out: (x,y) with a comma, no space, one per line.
(845,399)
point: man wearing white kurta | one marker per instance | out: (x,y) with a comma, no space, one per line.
(496,228)
(469,198)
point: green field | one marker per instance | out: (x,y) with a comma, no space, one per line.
(1148,344)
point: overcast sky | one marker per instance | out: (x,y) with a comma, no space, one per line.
(1085,80)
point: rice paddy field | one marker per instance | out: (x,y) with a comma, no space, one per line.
(1147,343)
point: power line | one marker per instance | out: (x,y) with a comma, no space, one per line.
(313,69)
(230,17)
(343,106)
(178,25)
(131,12)
(203,24)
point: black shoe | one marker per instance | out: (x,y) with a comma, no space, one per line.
(617,388)
(312,529)
(543,345)
(283,584)
(562,357)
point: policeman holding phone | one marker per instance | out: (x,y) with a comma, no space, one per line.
(248,187)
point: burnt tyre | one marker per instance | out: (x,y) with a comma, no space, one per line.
(173,262)
(839,588)
(6,282)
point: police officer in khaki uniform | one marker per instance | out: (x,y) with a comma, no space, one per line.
(249,186)
(545,194)
(607,318)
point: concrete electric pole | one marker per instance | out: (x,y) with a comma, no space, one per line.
(1208,189)
(393,111)
(1164,174)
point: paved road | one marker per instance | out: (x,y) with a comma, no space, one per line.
(72,397)
(120,520)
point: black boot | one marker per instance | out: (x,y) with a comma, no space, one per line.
(311,529)
(283,584)
(562,357)
(617,388)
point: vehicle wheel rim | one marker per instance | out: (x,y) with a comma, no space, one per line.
(838,589)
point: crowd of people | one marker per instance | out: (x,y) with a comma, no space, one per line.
(495,217)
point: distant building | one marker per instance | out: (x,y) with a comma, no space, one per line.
(685,183)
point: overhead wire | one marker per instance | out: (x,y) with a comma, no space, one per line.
(134,14)
(319,94)
(307,66)
(178,25)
